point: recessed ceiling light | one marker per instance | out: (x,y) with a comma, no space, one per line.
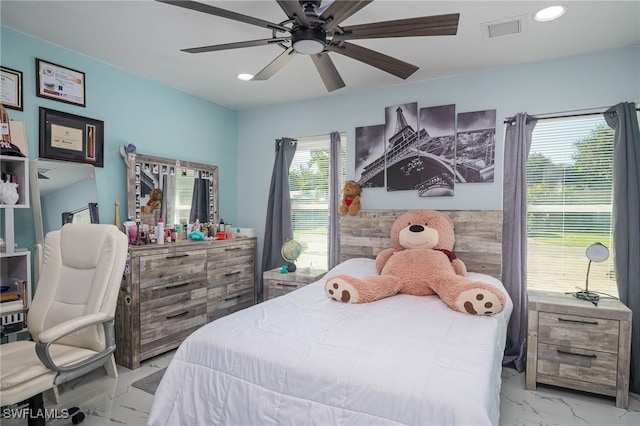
(244,77)
(550,13)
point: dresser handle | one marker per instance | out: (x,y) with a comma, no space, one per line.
(578,321)
(560,351)
(170,287)
(231,298)
(177,256)
(228,274)
(288,285)
(233,249)
(178,315)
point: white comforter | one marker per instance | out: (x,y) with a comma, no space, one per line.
(305,359)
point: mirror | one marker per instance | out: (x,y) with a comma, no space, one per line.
(62,192)
(178,191)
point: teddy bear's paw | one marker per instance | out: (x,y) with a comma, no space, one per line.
(478,301)
(340,290)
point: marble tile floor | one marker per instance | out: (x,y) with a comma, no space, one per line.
(109,401)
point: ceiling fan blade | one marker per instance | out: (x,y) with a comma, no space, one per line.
(212,10)
(341,10)
(293,9)
(276,65)
(328,72)
(238,45)
(412,27)
(375,59)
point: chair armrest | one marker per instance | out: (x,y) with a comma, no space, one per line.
(57,332)
(47,338)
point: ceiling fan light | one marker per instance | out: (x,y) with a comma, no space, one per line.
(308,41)
(244,76)
(550,13)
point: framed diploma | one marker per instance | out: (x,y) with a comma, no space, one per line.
(69,137)
(11,88)
(59,83)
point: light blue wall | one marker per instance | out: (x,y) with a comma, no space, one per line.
(159,120)
(163,121)
(581,82)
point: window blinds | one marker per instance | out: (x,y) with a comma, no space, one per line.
(569,193)
(309,188)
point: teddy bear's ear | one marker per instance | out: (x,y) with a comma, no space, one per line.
(449,220)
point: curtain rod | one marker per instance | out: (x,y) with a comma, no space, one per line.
(568,114)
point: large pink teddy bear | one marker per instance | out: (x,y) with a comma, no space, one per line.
(421,263)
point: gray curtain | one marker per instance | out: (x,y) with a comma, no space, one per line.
(164,205)
(200,201)
(334,200)
(626,225)
(514,234)
(278,228)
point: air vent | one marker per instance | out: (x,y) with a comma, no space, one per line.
(503,28)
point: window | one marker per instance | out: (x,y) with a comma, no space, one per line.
(185,180)
(81,216)
(309,188)
(569,190)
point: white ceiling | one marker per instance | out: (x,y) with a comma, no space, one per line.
(145,38)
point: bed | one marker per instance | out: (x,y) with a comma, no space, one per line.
(303,358)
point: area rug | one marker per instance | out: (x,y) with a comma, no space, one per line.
(150,383)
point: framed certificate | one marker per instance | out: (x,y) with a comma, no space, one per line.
(11,88)
(69,137)
(60,83)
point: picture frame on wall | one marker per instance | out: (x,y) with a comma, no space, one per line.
(11,88)
(60,83)
(70,137)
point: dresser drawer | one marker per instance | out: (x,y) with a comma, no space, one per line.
(589,366)
(166,327)
(156,297)
(274,288)
(171,267)
(574,331)
(221,303)
(233,252)
(232,279)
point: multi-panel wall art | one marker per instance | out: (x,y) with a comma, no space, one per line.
(370,156)
(424,150)
(475,147)
(401,153)
(437,148)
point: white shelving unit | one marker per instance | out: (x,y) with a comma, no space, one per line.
(15,262)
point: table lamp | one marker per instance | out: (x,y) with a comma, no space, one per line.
(596,252)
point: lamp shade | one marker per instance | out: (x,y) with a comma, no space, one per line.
(597,252)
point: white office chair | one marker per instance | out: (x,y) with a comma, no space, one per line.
(71,318)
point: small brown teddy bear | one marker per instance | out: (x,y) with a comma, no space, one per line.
(155,199)
(420,263)
(350,198)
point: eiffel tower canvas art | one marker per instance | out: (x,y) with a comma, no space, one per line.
(426,151)
(370,156)
(401,154)
(437,150)
(475,146)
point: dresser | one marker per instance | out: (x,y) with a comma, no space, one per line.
(276,283)
(170,290)
(575,344)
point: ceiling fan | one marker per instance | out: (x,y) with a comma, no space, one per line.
(313,28)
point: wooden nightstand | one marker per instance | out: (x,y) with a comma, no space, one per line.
(575,344)
(276,283)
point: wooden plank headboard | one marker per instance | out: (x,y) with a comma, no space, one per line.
(478,236)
